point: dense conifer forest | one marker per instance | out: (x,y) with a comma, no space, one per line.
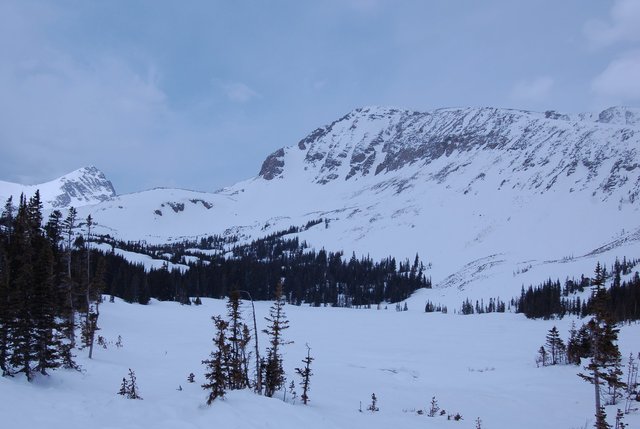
(310,276)
(552,300)
(54,273)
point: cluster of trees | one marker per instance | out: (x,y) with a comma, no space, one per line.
(596,340)
(228,367)
(430,307)
(49,285)
(495,305)
(550,299)
(315,277)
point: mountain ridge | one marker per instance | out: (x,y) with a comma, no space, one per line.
(456,185)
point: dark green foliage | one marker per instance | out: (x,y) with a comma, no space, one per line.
(549,300)
(129,388)
(314,277)
(579,345)
(555,346)
(495,305)
(373,407)
(433,407)
(238,337)
(305,373)
(277,322)
(218,365)
(604,365)
(40,271)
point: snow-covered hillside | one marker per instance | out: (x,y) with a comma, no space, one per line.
(484,194)
(479,193)
(479,366)
(87,185)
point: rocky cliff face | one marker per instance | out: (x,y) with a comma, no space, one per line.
(85,186)
(529,151)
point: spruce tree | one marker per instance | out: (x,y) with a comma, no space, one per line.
(305,373)
(237,343)
(556,347)
(22,341)
(273,367)
(69,284)
(605,356)
(217,366)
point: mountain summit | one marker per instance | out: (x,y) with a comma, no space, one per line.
(529,151)
(85,186)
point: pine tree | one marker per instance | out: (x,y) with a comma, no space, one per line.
(68,226)
(305,373)
(273,369)
(129,388)
(292,391)
(556,347)
(22,340)
(217,366)
(237,343)
(6,318)
(605,356)
(373,407)
(542,358)
(433,408)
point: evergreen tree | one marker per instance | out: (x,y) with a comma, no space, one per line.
(305,373)
(129,388)
(217,366)
(578,345)
(542,358)
(373,407)
(273,369)
(237,343)
(556,347)
(95,289)
(69,285)
(605,356)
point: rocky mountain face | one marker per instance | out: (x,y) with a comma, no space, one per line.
(85,186)
(528,151)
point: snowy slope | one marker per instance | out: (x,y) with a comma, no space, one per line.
(478,366)
(87,185)
(480,193)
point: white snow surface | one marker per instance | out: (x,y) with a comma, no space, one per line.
(478,366)
(478,193)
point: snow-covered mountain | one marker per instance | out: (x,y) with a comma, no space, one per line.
(85,186)
(485,194)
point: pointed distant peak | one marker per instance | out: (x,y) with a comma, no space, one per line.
(89,170)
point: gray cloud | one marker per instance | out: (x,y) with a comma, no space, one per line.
(130,89)
(622,25)
(620,79)
(537,89)
(238,92)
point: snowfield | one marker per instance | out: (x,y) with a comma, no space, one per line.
(477,365)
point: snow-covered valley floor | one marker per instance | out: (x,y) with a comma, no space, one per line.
(477,365)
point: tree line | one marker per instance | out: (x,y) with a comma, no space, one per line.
(315,277)
(52,280)
(550,299)
(49,287)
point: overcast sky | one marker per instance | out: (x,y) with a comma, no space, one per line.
(195,94)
